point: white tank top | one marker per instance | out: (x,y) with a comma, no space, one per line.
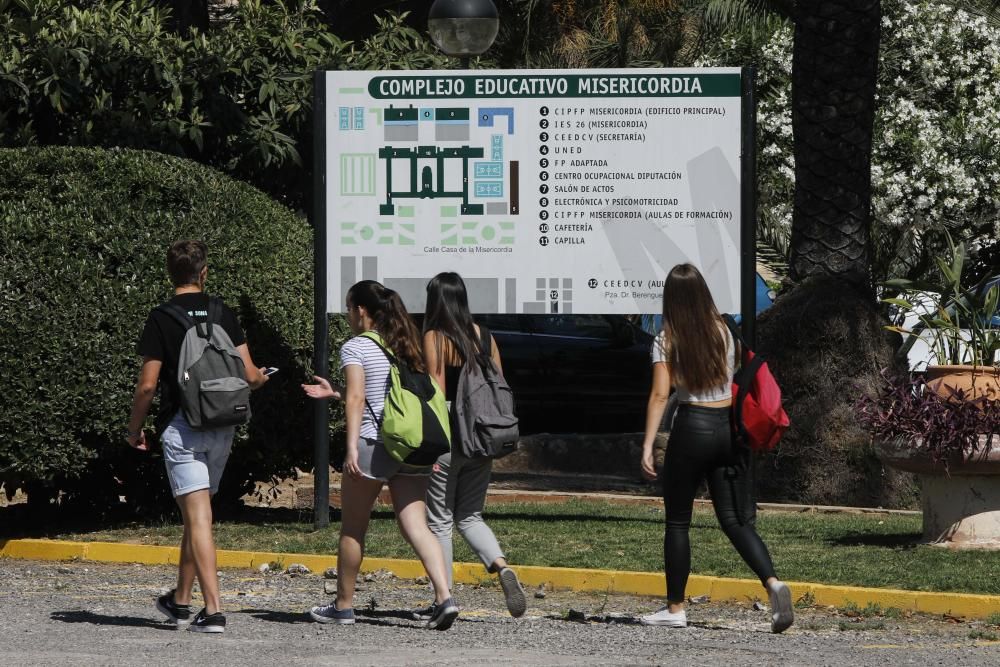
(712,395)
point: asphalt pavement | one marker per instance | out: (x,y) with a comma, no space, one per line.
(86,613)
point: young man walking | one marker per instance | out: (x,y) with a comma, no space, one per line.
(194,458)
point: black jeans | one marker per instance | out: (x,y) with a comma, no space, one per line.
(701,447)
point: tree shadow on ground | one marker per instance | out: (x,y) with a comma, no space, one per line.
(82,616)
(271,616)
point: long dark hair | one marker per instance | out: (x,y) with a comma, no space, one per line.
(392,322)
(696,344)
(448,314)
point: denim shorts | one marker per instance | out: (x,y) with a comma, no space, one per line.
(195,459)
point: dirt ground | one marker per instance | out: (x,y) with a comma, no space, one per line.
(84,613)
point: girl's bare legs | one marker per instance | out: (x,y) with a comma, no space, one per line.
(408,493)
(357,499)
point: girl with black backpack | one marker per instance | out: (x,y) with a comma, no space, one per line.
(374,309)
(457,492)
(696,353)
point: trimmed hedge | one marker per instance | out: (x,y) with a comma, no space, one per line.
(83,238)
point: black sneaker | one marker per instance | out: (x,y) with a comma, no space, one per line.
(444,615)
(426,613)
(512,592)
(208,622)
(179,614)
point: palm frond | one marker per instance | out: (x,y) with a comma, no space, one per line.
(988,9)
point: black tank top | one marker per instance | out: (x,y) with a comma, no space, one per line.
(451,374)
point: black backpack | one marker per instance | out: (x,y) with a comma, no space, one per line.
(485,420)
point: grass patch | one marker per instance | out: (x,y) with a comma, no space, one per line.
(870,610)
(806,601)
(980,634)
(851,549)
(860,626)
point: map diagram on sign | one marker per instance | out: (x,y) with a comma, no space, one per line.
(432,156)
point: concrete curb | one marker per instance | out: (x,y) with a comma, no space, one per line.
(610,581)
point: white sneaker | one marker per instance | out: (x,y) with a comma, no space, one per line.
(666,618)
(782,614)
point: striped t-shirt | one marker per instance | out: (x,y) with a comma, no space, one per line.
(364,352)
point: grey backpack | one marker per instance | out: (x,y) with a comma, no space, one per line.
(210,373)
(485,421)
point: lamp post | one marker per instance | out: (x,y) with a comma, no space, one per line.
(463,28)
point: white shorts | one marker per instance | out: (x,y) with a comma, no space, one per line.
(195,459)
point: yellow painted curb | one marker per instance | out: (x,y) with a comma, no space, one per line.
(554,578)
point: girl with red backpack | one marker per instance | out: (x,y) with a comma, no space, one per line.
(696,354)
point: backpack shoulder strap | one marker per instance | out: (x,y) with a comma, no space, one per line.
(738,340)
(734,329)
(485,341)
(178,313)
(214,315)
(375,338)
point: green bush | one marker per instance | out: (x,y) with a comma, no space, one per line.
(238,98)
(83,238)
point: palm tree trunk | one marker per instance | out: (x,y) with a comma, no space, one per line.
(825,338)
(834,68)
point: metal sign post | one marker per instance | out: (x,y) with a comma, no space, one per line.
(748,209)
(321,322)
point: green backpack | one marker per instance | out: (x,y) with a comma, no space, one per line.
(415,427)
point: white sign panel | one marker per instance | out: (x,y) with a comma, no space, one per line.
(549,191)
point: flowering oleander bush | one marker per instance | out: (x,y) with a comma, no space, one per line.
(936,151)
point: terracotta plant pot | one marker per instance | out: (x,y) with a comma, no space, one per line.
(975,381)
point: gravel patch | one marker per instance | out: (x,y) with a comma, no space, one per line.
(81,612)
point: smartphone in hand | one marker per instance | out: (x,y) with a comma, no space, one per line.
(270,370)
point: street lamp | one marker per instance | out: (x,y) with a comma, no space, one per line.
(463,28)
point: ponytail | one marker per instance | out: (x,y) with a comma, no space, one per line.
(392,321)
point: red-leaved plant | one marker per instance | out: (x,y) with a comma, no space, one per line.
(946,429)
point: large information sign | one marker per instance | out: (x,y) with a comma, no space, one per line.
(549,191)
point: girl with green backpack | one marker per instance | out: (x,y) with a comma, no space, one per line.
(383,360)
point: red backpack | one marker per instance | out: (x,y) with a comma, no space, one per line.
(759,421)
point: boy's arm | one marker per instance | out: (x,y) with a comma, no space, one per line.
(145,389)
(255,378)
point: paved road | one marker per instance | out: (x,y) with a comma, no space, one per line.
(85,613)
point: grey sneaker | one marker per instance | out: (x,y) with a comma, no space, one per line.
(330,614)
(782,614)
(425,614)
(444,615)
(179,614)
(512,592)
